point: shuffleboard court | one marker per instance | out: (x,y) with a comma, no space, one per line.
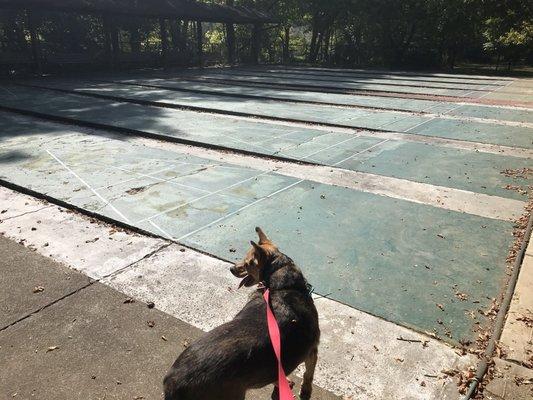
(310,82)
(369,251)
(442,108)
(365,80)
(409,219)
(428,162)
(518,134)
(411,76)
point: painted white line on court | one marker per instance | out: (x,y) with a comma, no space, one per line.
(126,180)
(498,89)
(201,197)
(107,203)
(239,210)
(153,177)
(420,124)
(329,147)
(362,151)
(484,205)
(165,233)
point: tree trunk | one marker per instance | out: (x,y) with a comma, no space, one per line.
(286,43)
(230,37)
(35,47)
(325,49)
(199,43)
(184,35)
(164,40)
(256,43)
(135,40)
(230,42)
(108,47)
(314,35)
(175,34)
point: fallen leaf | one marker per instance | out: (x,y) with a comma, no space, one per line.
(38,289)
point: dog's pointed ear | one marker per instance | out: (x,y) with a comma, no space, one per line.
(262,237)
(258,249)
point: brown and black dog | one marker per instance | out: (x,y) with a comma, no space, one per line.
(238,355)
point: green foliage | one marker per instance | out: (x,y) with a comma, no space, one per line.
(391,33)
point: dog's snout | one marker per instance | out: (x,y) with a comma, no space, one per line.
(238,270)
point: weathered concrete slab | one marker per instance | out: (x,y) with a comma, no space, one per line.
(30,282)
(520,92)
(349,363)
(105,349)
(443,108)
(465,169)
(517,335)
(302,81)
(86,245)
(208,199)
(365,260)
(434,125)
(83,162)
(510,382)
(346,73)
(15,204)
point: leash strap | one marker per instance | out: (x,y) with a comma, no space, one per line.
(285,392)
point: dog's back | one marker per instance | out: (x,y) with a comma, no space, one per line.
(238,355)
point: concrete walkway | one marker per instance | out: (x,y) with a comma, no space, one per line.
(65,336)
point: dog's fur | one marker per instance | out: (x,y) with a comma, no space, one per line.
(238,355)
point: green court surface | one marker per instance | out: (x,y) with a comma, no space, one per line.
(429,163)
(412,262)
(164,81)
(357,247)
(486,132)
(365,74)
(390,86)
(384,81)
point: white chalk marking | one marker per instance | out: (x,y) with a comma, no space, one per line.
(90,188)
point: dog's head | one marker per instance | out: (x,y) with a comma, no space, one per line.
(252,267)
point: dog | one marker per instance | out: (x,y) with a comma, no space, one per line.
(238,355)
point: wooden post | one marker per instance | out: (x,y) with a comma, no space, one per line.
(107,40)
(164,40)
(114,42)
(256,43)
(230,37)
(199,43)
(35,47)
(230,41)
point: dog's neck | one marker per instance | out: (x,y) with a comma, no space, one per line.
(283,274)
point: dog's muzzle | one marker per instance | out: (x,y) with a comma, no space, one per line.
(238,271)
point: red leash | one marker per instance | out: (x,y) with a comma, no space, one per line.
(285,392)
